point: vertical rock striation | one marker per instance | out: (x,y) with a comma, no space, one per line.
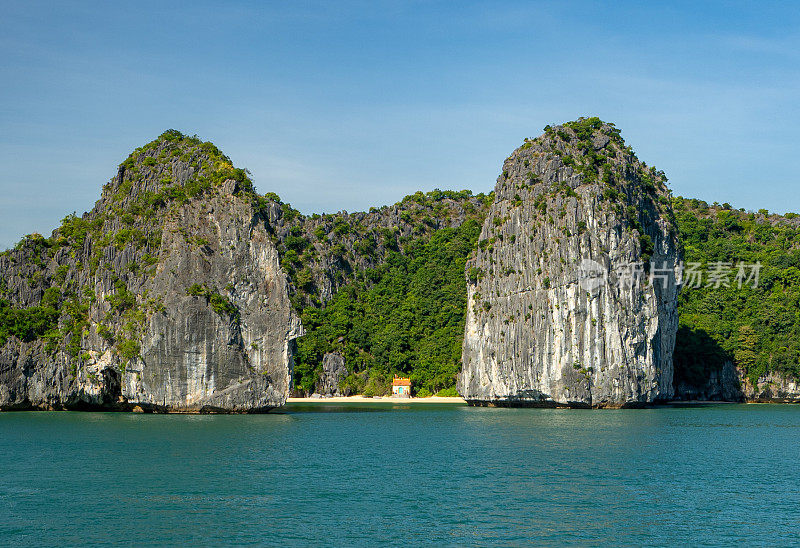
(561,310)
(333,373)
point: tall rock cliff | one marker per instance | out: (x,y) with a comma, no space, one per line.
(167,296)
(573,291)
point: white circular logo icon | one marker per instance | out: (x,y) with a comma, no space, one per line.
(591,275)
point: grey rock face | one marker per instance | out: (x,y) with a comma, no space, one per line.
(771,388)
(193,357)
(722,385)
(173,300)
(731,384)
(333,372)
(556,314)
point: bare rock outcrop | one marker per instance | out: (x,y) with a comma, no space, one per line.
(572,294)
(167,296)
(333,373)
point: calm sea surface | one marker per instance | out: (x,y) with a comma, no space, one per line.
(424,474)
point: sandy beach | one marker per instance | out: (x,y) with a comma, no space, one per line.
(380,399)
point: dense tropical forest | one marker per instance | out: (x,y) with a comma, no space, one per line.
(404,317)
(758,328)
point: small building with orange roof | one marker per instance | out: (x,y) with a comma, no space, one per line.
(401,387)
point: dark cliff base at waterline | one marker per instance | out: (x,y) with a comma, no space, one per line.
(123,407)
(550,404)
(521,404)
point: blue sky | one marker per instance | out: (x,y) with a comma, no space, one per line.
(353,104)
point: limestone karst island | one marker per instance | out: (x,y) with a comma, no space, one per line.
(184,290)
(398,273)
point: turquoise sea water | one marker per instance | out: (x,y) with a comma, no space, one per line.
(719,474)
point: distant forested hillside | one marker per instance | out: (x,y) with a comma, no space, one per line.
(400,303)
(758,328)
